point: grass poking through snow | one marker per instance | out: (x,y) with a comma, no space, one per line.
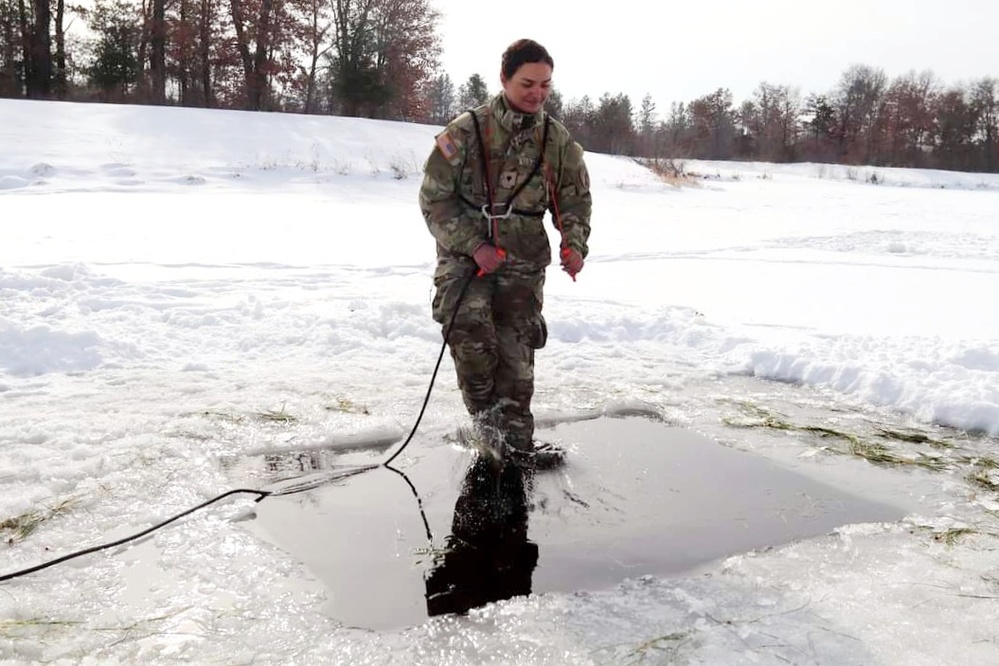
(879,453)
(19,528)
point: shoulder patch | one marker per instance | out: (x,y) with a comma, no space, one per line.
(448,149)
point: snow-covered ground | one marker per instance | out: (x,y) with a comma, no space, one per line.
(179,287)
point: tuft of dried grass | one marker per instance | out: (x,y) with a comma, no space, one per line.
(671,172)
(21,527)
(874,452)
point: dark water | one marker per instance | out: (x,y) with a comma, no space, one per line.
(635,497)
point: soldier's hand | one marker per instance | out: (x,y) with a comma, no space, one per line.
(572,261)
(489,258)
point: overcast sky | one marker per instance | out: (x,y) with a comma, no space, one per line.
(681,51)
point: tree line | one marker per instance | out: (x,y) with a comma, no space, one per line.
(914,120)
(380,59)
(346,57)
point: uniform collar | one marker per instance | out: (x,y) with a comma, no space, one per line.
(510,120)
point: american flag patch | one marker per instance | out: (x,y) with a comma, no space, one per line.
(446,145)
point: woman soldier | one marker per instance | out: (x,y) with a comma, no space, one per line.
(493,173)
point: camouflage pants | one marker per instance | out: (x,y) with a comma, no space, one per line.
(495,333)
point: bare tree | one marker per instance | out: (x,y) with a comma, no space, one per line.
(40,78)
(384,52)
(157,56)
(908,118)
(10,83)
(189,50)
(956,124)
(859,105)
(60,73)
(320,26)
(713,121)
(253,61)
(25,37)
(408,50)
(763,119)
(267,43)
(208,9)
(985,107)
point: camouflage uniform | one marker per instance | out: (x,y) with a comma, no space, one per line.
(499,325)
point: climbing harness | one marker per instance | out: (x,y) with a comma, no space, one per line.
(490,208)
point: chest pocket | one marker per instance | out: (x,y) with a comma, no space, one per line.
(519,187)
(525,184)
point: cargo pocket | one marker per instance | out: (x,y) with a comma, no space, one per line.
(445,299)
(540,337)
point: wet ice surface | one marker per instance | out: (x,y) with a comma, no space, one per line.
(636,497)
(152,329)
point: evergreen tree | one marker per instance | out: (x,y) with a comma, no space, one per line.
(647,128)
(442,100)
(554,105)
(472,93)
(115,66)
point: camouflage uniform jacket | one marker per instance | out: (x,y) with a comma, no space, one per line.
(454,189)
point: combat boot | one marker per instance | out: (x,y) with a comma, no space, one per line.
(540,456)
(485,436)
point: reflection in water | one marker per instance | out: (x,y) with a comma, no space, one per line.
(606,517)
(299,461)
(487,557)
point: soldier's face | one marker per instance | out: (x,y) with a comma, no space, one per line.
(529,87)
